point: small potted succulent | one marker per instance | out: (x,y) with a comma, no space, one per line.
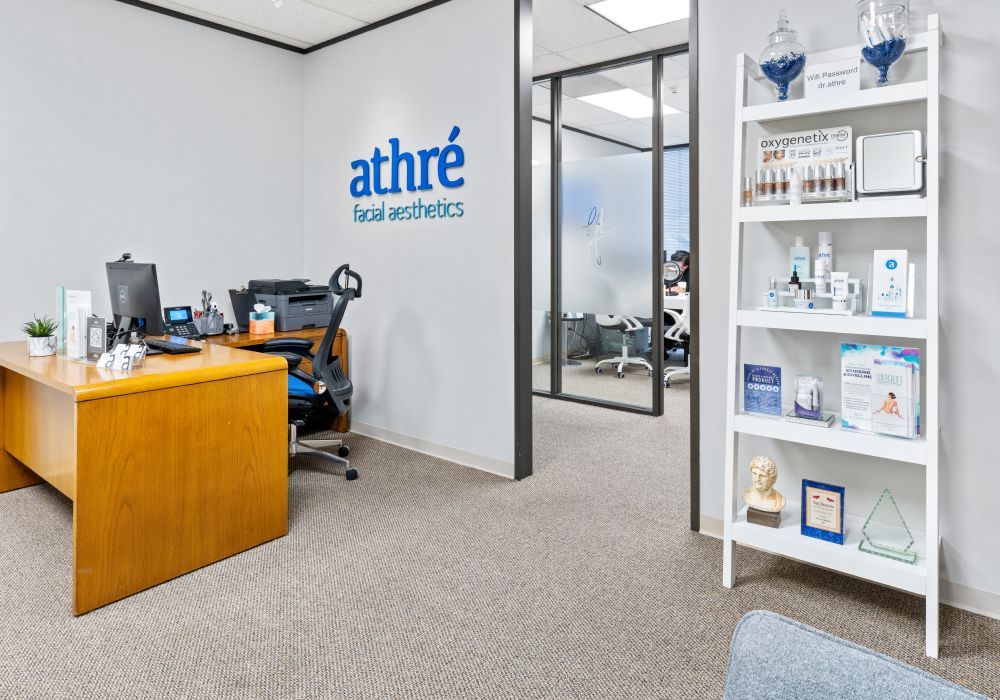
(41,341)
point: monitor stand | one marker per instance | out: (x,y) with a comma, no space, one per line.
(121,331)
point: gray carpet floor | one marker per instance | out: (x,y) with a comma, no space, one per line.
(424,579)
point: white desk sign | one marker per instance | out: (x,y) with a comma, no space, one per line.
(835,76)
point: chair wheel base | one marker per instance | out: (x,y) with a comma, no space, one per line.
(351,474)
(344,451)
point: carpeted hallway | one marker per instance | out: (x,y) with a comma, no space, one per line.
(424,579)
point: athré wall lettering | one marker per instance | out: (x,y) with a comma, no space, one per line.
(414,171)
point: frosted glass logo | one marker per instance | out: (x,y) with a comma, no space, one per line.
(394,171)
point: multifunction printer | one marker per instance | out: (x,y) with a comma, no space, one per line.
(295,303)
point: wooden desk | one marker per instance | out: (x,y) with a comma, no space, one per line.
(170,467)
(242,340)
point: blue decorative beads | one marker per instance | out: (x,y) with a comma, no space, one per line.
(783,70)
(883,55)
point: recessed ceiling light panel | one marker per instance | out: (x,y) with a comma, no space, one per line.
(628,103)
(633,15)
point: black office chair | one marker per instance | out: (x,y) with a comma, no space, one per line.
(317,399)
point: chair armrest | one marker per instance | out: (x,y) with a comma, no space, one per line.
(301,347)
(293,360)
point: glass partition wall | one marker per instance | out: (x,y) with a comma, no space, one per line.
(610,173)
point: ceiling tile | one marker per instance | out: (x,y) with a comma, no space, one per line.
(297,22)
(563,24)
(605,50)
(632,75)
(664,35)
(551,63)
(675,140)
(578,113)
(629,131)
(365,10)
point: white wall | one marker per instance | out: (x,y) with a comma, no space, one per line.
(970,249)
(432,336)
(125,130)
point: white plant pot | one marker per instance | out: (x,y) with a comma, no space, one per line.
(42,347)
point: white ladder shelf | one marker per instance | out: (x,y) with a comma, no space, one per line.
(922,579)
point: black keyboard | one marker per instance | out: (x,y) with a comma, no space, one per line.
(171,348)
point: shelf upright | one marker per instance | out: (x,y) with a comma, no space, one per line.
(924,453)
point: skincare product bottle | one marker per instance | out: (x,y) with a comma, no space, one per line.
(748,191)
(795,188)
(799,256)
(771,295)
(839,285)
(820,275)
(759,191)
(840,179)
(809,180)
(828,179)
(825,250)
(768,184)
(781,183)
(794,285)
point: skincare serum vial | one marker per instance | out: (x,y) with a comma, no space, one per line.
(748,191)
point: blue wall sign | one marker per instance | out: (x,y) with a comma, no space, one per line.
(394,171)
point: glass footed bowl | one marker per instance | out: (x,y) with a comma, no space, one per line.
(882,29)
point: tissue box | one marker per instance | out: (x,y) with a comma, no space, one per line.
(262,323)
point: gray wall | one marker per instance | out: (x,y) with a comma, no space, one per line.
(434,332)
(125,130)
(970,479)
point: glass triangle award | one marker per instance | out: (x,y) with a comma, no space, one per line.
(886,534)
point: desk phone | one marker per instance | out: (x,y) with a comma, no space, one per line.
(179,321)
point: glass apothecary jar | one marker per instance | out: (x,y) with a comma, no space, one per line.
(784,58)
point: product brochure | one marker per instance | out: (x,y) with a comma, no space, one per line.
(801,148)
(73,308)
(866,373)
(892,398)
(762,389)
(890,288)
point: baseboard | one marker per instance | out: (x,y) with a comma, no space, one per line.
(451,454)
(973,600)
(957,595)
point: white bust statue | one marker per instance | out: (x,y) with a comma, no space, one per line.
(762,495)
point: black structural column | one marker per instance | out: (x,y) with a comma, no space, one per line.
(694,308)
(523,55)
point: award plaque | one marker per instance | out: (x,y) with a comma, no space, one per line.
(886,534)
(823,511)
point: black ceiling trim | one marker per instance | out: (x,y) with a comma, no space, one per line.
(615,62)
(592,135)
(281,45)
(212,25)
(375,25)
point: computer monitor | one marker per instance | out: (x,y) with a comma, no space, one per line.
(135,297)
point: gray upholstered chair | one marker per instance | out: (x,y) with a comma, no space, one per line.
(775,657)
